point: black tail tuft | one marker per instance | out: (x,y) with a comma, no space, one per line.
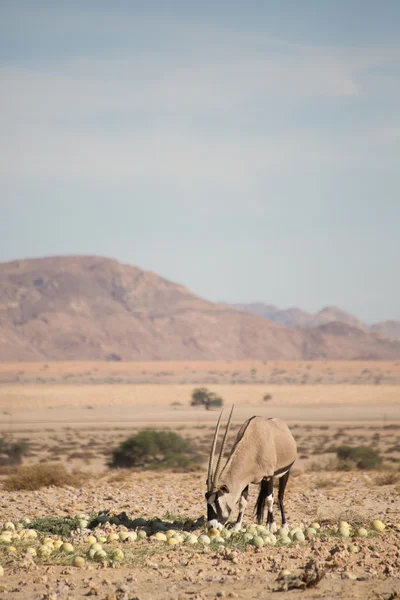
(260,505)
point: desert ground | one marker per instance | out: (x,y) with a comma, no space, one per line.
(74,414)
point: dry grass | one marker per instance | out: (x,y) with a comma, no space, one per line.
(332,464)
(120,475)
(39,476)
(389,477)
(324,482)
(56,396)
(274,371)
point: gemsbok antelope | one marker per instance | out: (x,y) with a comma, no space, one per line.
(264,449)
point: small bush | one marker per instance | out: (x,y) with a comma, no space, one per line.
(11,453)
(153,449)
(267,397)
(55,525)
(388,478)
(363,457)
(324,482)
(113,357)
(38,476)
(203,397)
(331,465)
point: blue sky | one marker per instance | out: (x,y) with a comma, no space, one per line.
(250,151)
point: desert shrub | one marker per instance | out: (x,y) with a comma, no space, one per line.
(11,453)
(153,449)
(55,525)
(344,465)
(388,478)
(203,397)
(330,465)
(113,357)
(363,457)
(324,482)
(38,476)
(267,397)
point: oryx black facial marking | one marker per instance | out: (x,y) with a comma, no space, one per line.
(216,509)
(212,509)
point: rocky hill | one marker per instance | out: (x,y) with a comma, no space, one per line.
(300,319)
(388,329)
(93,308)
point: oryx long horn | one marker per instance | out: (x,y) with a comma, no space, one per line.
(218,467)
(210,463)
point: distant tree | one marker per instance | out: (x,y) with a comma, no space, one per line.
(203,397)
(153,449)
(113,357)
(11,453)
(363,457)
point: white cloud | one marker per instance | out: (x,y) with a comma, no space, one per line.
(57,119)
(82,88)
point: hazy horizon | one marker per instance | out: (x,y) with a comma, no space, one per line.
(250,153)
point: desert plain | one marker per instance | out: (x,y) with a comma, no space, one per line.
(74,414)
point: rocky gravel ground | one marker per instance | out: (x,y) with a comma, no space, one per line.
(322,566)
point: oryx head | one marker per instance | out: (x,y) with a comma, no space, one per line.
(218,497)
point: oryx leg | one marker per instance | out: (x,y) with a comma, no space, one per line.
(271,525)
(242,507)
(282,485)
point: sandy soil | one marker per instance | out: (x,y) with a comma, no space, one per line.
(78,425)
(205,372)
(20,397)
(205,574)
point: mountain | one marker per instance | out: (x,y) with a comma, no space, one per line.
(298,318)
(257,308)
(292,317)
(331,313)
(388,329)
(93,308)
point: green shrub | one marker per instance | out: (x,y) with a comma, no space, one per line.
(55,525)
(11,453)
(203,397)
(363,457)
(153,449)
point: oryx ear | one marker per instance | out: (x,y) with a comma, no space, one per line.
(224,489)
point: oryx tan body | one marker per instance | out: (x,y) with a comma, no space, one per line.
(264,449)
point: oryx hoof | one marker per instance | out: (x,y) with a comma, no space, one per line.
(285,528)
(272,527)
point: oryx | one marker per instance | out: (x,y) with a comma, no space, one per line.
(264,449)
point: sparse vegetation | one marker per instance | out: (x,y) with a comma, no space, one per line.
(113,357)
(55,525)
(171,505)
(38,476)
(324,482)
(152,449)
(203,397)
(388,478)
(361,457)
(11,453)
